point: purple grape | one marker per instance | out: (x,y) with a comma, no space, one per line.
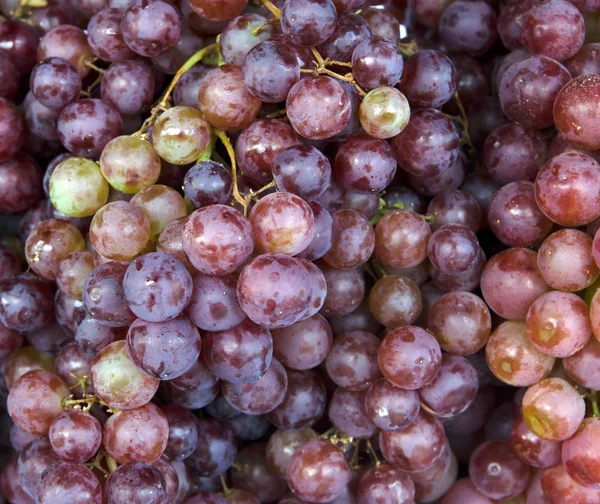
(128,86)
(237,38)
(55,83)
(308,22)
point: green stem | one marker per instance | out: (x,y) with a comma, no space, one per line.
(594,401)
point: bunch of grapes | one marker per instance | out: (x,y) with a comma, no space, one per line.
(300,251)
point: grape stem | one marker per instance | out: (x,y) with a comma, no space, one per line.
(163,104)
(372,453)
(275,115)
(408,48)
(23,9)
(256,31)
(463,120)
(111,463)
(272,8)
(244,201)
(226,489)
(594,401)
(322,63)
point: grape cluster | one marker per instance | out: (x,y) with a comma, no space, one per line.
(299,251)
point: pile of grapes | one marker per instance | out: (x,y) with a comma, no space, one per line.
(299,251)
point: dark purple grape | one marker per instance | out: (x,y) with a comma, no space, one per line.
(390,407)
(67,42)
(12,130)
(71,364)
(128,86)
(308,22)
(86,126)
(270,71)
(216,450)
(183,432)
(429,145)
(585,62)
(207,183)
(19,41)
(69,482)
(345,290)
(302,170)
(382,23)
(75,436)
(237,38)
(186,90)
(26,302)
(151,27)
(217,10)
(353,240)
(554,28)
(55,83)
(20,184)
(468,27)
(350,30)
(35,458)
(106,38)
(136,481)
(385,482)
(364,164)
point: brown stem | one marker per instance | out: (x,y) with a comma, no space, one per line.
(272,8)
(322,69)
(221,135)
(372,453)
(256,31)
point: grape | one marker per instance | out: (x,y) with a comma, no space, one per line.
(157,287)
(585,61)
(364,164)
(25,302)
(217,239)
(574,116)
(19,439)
(395,301)
(19,41)
(103,295)
(72,272)
(510,23)
(216,449)
(468,27)
(260,396)
(512,153)
(135,481)
(282,223)
(302,170)
(415,448)
(377,62)
(207,183)
(198,377)
(73,482)
(71,364)
(461,323)
(69,312)
(348,414)
(353,240)
(455,207)
(436,149)
(20,184)
(352,360)
(577,454)
(85,126)
(383,23)
(117,380)
(237,38)
(308,22)
(429,79)
(409,357)
(75,436)
(214,305)
(170,475)
(205,498)
(67,42)
(453,248)
(162,205)
(11,487)
(318,107)
(40,120)
(333,197)
(183,432)
(136,435)
(283,444)
(270,70)
(448,180)
(172,60)
(129,164)
(464,491)
(497,472)
(553,409)
(384,112)
(241,354)
(274,290)
(105,36)
(256,474)
(581,366)
(350,30)
(259,144)
(25,359)
(163,350)
(511,281)
(532,449)
(528,89)
(35,458)
(515,217)
(318,471)
(128,86)
(389,407)
(555,29)
(55,83)
(304,344)
(192,399)
(472,81)
(35,400)
(49,243)
(10,341)
(186,89)
(513,358)
(304,402)
(151,27)
(170,241)
(559,488)
(345,290)
(180,135)
(224,99)
(384,483)
(12,128)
